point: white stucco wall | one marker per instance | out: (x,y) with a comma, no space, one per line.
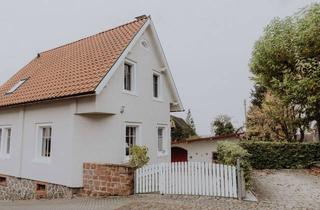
(201,151)
(105,140)
(95,137)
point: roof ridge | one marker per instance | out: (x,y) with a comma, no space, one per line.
(79,40)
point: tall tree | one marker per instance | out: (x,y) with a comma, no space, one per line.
(286,60)
(222,125)
(190,122)
(273,121)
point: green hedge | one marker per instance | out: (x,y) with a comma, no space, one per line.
(229,152)
(281,155)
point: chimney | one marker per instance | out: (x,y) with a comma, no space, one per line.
(141,17)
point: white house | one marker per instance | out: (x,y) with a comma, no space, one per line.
(199,149)
(87,101)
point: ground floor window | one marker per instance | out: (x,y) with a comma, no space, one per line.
(162,140)
(44,143)
(215,157)
(5,140)
(130,138)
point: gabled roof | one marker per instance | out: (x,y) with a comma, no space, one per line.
(71,70)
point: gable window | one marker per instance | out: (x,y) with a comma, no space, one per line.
(16,86)
(127,77)
(156,85)
(161,132)
(5,140)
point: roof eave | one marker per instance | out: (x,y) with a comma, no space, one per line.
(85,94)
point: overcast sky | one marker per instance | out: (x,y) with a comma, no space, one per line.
(208,43)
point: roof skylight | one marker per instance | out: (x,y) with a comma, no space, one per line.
(16,86)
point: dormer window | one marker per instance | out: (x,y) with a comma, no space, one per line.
(16,86)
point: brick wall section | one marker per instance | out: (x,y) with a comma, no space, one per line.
(100,180)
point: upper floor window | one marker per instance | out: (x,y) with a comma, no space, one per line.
(5,140)
(156,85)
(128,77)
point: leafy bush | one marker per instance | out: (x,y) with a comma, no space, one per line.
(139,156)
(281,155)
(229,152)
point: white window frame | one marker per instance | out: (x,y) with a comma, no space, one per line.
(165,138)
(138,137)
(133,65)
(4,141)
(16,86)
(38,155)
(159,98)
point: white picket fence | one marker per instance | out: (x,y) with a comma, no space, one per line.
(188,178)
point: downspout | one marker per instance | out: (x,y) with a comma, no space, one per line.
(22,141)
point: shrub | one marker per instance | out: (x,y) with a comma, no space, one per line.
(139,156)
(229,152)
(281,155)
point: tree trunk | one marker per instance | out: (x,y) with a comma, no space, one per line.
(318,130)
(301,135)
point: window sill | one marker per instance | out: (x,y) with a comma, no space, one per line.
(126,159)
(132,93)
(162,154)
(42,160)
(158,99)
(5,156)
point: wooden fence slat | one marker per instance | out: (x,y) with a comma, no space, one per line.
(230,181)
(234,182)
(226,183)
(214,180)
(222,180)
(207,178)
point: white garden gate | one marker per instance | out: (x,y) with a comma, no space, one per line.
(188,178)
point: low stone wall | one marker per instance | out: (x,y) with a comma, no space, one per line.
(100,180)
(315,171)
(13,188)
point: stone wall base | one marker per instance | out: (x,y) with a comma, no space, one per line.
(100,180)
(13,188)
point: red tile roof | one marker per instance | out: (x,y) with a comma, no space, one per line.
(70,70)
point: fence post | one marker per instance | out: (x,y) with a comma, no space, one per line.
(239,179)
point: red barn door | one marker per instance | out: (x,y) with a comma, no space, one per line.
(179,154)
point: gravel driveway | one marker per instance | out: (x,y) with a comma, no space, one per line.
(293,188)
(275,189)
